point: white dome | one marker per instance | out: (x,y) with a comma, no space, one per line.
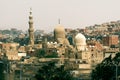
(80,39)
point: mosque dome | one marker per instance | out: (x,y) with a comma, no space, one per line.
(80,42)
(59,31)
(80,39)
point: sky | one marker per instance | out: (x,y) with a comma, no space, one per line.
(72,13)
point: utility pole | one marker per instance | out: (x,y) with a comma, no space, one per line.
(7,72)
(116,70)
(20,71)
(119,42)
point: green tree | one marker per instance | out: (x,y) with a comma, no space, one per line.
(22,41)
(40,53)
(106,70)
(4,66)
(1,70)
(52,55)
(52,72)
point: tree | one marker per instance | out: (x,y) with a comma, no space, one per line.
(52,72)
(22,41)
(4,66)
(52,55)
(1,70)
(106,70)
(40,53)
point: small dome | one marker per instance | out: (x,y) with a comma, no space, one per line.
(59,31)
(80,39)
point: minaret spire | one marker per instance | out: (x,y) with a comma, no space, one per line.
(31,29)
(30,11)
(59,21)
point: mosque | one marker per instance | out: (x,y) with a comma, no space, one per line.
(78,50)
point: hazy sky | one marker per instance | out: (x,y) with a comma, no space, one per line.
(73,13)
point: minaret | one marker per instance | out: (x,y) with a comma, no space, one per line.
(31,29)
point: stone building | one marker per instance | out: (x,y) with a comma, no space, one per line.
(109,40)
(10,49)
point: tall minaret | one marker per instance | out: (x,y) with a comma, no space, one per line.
(31,29)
